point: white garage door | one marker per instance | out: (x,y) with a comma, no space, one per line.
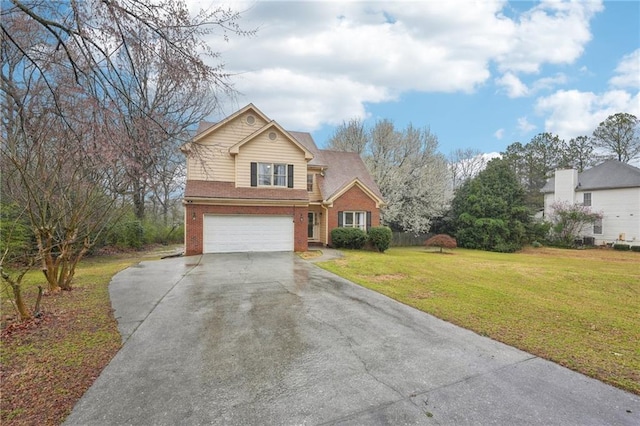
(239,233)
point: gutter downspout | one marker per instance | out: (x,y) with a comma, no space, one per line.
(326,225)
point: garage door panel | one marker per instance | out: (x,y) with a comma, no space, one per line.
(240,233)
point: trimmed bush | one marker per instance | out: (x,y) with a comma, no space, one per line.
(442,241)
(380,237)
(621,247)
(635,248)
(353,238)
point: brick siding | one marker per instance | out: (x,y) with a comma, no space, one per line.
(355,199)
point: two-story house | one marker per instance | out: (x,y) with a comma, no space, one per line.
(611,188)
(254,186)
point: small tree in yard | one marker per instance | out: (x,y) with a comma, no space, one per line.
(441,240)
(568,220)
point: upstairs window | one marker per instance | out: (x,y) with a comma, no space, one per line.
(309,183)
(272,174)
(586,200)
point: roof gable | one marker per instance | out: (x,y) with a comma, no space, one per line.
(344,170)
(206,128)
(235,149)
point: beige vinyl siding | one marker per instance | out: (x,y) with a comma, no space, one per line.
(210,159)
(264,150)
(315,194)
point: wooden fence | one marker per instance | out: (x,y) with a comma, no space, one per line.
(404,239)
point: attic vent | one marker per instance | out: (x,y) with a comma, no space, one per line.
(250,119)
(273,136)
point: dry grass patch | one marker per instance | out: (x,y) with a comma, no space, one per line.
(579,308)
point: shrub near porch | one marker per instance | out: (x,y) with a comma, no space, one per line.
(579,308)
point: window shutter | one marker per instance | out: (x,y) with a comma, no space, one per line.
(290,176)
(340,219)
(368,220)
(254,174)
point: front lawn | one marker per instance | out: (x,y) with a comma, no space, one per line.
(578,308)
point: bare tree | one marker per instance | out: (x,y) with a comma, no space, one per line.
(93,37)
(94,92)
(464,164)
(349,136)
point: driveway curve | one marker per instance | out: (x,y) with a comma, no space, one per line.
(270,339)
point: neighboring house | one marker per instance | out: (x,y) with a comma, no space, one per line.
(611,188)
(254,186)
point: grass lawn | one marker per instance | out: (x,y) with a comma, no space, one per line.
(47,364)
(578,308)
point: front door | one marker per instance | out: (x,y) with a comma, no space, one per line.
(311,226)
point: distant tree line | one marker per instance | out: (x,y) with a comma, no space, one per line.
(485,204)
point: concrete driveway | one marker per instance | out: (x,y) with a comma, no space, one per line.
(270,339)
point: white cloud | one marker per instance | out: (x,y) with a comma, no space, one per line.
(499,134)
(299,101)
(514,87)
(524,126)
(628,72)
(335,57)
(551,32)
(572,113)
(547,83)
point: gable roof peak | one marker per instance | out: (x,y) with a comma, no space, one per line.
(204,130)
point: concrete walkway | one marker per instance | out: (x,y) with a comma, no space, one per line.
(270,339)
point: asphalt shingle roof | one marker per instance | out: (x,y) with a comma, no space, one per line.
(608,175)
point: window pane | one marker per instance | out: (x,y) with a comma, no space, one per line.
(348,219)
(597,227)
(360,221)
(264,173)
(280,174)
(310,183)
(587,199)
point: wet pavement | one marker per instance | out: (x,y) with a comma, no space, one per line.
(268,338)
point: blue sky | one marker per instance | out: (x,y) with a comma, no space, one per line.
(479,74)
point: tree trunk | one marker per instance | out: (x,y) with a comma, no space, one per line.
(138,200)
(23,312)
(44,239)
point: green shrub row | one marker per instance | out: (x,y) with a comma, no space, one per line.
(635,248)
(355,238)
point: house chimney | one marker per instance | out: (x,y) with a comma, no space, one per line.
(566,182)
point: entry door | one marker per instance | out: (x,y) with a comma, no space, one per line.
(312,226)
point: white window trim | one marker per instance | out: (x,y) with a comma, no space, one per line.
(272,175)
(362,216)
